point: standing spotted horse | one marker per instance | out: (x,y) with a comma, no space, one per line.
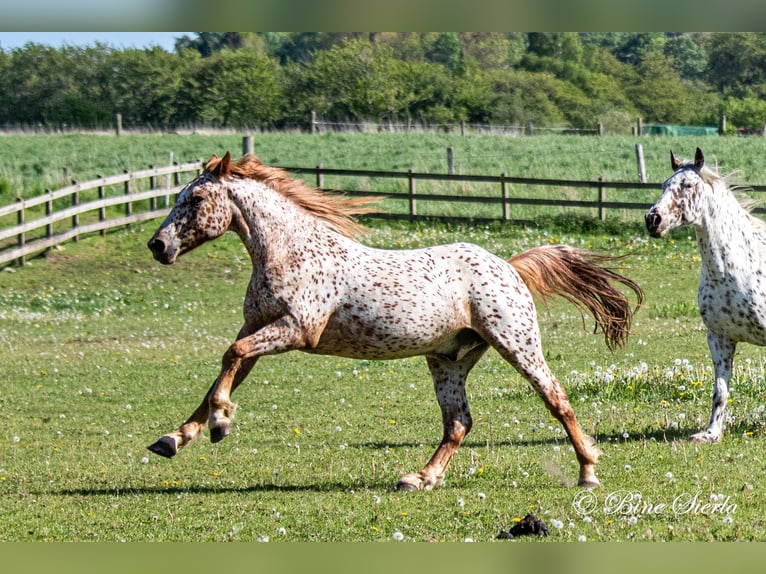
(315,289)
(732,285)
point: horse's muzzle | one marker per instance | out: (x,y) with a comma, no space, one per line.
(653,220)
(159,250)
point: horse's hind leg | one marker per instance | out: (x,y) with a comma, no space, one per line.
(557,402)
(528,359)
(449,383)
(186,434)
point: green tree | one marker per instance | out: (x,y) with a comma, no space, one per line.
(146,85)
(355,80)
(236,89)
(737,60)
(446,50)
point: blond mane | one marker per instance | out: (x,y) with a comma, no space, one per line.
(335,210)
(715,180)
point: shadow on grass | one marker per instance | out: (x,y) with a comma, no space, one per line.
(324,487)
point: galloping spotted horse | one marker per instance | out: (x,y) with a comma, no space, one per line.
(316,289)
(732,285)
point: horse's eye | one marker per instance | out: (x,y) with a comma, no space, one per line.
(196,200)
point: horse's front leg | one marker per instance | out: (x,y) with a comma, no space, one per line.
(188,432)
(722,351)
(278,337)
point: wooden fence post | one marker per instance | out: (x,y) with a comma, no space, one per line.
(313,122)
(128,205)
(76,216)
(320,177)
(101,210)
(601,199)
(504,192)
(21,239)
(640,160)
(450,161)
(48,213)
(152,185)
(247,145)
(412,191)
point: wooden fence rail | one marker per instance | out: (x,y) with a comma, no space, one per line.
(15,246)
(19,249)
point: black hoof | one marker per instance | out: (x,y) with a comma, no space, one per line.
(162,448)
(218,434)
(406,487)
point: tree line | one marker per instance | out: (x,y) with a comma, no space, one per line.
(274,80)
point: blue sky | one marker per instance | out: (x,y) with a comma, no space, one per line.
(166,40)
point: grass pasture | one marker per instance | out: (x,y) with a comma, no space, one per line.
(34,163)
(105,350)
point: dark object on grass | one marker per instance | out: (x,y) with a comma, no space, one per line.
(529,525)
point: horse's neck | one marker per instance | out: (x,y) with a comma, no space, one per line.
(726,235)
(270,225)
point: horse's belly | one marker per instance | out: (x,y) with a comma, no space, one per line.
(388,335)
(737,319)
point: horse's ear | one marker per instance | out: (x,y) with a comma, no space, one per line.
(699,159)
(674,163)
(225,162)
(212,163)
(219,167)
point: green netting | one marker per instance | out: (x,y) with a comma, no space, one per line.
(670,130)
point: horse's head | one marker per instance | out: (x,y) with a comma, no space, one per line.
(202,212)
(679,203)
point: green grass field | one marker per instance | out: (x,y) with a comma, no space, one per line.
(104,350)
(33,163)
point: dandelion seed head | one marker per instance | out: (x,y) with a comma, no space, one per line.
(398,536)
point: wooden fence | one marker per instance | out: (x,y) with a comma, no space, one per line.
(64,204)
(61,216)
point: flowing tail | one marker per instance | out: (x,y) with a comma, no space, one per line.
(585,280)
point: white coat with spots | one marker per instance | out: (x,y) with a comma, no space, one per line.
(732,286)
(316,289)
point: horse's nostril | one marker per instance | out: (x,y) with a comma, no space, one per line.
(652,221)
(156,245)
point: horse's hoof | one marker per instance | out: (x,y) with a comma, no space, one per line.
(704,437)
(589,484)
(219,433)
(166,447)
(402,486)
